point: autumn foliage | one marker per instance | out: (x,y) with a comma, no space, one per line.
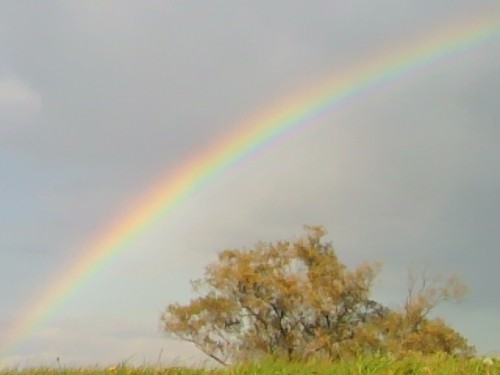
(295,299)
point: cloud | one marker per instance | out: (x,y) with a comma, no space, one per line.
(18,100)
(130,91)
(90,340)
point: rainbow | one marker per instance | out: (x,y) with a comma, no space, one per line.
(258,132)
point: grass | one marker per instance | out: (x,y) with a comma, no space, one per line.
(437,364)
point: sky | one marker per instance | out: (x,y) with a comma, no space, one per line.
(101,100)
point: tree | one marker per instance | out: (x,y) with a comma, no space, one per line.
(296,299)
(412,329)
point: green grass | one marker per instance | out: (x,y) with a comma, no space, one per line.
(437,364)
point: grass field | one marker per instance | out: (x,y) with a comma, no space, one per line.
(437,364)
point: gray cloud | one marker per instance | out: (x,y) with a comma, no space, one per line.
(406,176)
(18,101)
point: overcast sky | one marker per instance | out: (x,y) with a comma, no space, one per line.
(99,100)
